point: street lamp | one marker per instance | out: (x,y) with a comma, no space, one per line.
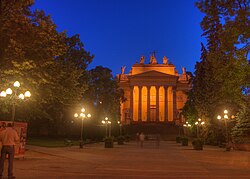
(120,127)
(186,125)
(14,95)
(106,121)
(82,116)
(226,118)
(198,124)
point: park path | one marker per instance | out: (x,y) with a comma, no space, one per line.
(170,160)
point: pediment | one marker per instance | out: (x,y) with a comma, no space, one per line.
(152,74)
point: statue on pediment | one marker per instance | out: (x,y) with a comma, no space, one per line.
(153,59)
(142,59)
(183,70)
(123,69)
(165,60)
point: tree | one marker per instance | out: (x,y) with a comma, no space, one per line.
(50,64)
(104,93)
(30,43)
(241,131)
(221,75)
(71,82)
(211,24)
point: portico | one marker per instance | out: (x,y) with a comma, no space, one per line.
(151,91)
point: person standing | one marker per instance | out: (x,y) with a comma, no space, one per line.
(142,137)
(9,138)
(137,138)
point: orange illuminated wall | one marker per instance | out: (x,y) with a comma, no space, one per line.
(136,103)
(161,103)
(170,103)
(144,103)
(152,103)
(164,69)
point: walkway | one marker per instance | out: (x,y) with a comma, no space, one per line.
(170,160)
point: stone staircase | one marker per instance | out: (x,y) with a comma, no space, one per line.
(168,131)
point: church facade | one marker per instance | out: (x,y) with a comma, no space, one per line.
(154,92)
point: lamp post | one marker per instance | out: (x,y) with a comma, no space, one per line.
(13,95)
(198,124)
(106,121)
(226,118)
(82,116)
(120,127)
(186,125)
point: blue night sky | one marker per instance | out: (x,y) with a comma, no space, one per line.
(118,32)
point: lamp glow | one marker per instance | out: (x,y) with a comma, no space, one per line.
(9,91)
(82,115)
(21,96)
(3,94)
(17,84)
(27,94)
(75,115)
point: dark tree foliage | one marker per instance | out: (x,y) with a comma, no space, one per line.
(104,94)
(222,74)
(211,24)
(46,62)
(189,111)
(241,131)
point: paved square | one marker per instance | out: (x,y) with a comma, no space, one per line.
(170,160)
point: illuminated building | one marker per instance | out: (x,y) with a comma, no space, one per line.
(154,92)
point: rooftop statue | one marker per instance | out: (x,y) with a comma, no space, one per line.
(123,69)
(153,60)
(142,59)
(165,60)
(183,70)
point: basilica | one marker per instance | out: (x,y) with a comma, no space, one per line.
(155,92)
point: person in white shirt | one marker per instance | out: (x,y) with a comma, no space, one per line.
(142,137)
(9,138)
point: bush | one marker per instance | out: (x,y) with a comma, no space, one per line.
(109,142)
(241,131)
(184,141)
(178,139)
(127,138)
(198,144)
(120,140)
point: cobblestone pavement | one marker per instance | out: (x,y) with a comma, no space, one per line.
(129,161)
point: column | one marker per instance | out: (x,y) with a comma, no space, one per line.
(166,103)
(140,103)
(174,104)
(148,103)
(157,103)
(131,102)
